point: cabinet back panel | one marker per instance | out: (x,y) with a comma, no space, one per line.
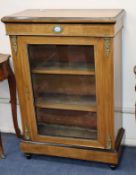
(63,84)
(70,118)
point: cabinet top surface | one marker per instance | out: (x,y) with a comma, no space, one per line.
(66,16)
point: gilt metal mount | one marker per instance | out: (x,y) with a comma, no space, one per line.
(109,143)
(107,45)
(26,134)
(14,43)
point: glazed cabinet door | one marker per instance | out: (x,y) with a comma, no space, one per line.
(62,90)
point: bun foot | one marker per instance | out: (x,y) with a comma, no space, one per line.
(113,167)
(28,156)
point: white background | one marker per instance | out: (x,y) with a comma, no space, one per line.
(129,52)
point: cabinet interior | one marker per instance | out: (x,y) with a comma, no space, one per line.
(64,89)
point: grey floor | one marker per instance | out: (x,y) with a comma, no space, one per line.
(16,164)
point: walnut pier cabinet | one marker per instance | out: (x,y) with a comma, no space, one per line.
(68,69)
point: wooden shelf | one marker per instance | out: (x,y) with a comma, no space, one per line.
(78,103)
(66,131)
(58,68)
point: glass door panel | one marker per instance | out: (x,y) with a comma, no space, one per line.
(67,123)
(63,79)
(61,59)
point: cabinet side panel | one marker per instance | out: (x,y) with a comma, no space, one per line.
(18,76)
(117,83)
(104,87)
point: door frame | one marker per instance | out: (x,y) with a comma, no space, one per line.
(29,118)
